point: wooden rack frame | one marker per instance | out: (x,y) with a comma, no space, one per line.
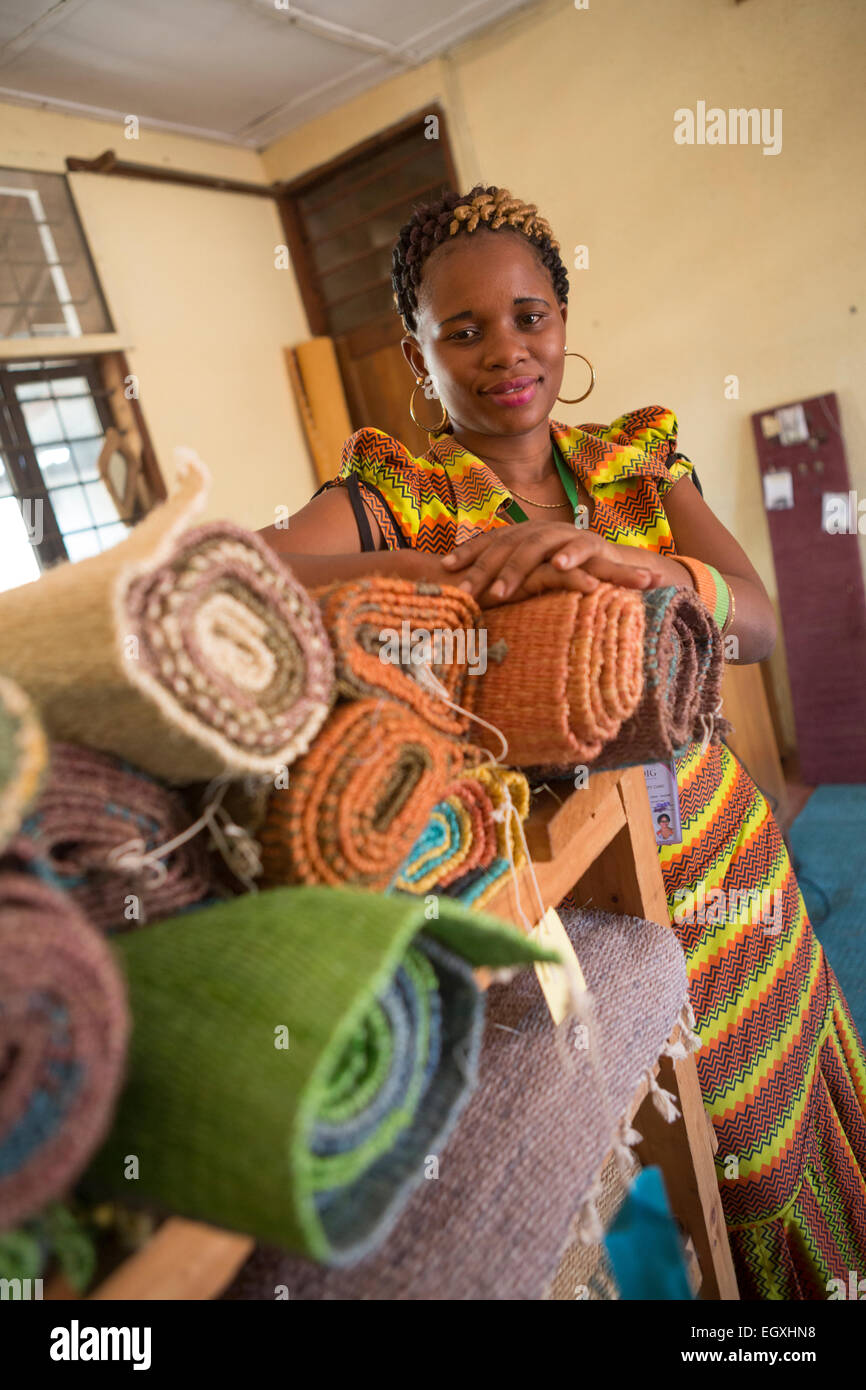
(600,841)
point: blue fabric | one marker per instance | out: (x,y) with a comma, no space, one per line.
(644,1244)
(470,886)
(435,835)
(827,840)
(402,1008)
(53,1093)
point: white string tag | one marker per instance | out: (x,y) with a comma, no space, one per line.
(236,846)
(557,987)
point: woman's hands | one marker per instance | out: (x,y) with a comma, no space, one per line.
(513,562)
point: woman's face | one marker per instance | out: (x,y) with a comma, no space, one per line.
(488,318)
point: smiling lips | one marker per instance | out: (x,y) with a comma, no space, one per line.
(518,391)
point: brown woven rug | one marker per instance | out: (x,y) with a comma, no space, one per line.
(63,1032)
(357,802)
(564,670)
(381,629)
(682,689)
(94,807)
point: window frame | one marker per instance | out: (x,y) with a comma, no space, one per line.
(22,464)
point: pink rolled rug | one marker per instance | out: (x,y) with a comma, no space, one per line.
(64,1027)
(94,807)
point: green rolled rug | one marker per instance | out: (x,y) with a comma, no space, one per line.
(296,1056)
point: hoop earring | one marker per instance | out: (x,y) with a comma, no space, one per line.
(591,384)
(436,429)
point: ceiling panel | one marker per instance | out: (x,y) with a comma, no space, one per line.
(241,70)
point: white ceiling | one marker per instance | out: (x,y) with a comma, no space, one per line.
(243,71)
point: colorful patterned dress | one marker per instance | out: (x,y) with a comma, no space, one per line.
(782,1068)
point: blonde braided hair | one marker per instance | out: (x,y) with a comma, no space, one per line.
(433,223)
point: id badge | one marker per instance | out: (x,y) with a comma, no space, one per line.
(664,797)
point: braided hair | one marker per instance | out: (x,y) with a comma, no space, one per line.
(431,224)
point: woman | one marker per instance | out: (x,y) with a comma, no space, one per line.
(483,295)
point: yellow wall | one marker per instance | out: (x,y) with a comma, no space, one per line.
(705,261)
(191,284)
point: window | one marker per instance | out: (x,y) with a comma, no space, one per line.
(48,287)
(54,504)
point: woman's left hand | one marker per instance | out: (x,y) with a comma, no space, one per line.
(513,562)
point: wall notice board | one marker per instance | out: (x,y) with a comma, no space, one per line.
(813,517)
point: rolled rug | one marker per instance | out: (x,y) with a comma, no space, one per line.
(509,793)
(444,856)
(381,629)
(23,757)
(297,1055)
(459,836)
(569,671)
(190,653)
(683,666)
(92,807)
(63,1033)
(524,1160)
(357,802)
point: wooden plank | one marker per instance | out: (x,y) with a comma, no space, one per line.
(626,876)
(683,1151)
(753,738)
(563,840)
(649,884)
(560,813)
(182,1260)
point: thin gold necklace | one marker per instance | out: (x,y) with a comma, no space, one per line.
(547,506)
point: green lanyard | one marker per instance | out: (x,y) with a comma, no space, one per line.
(517,513)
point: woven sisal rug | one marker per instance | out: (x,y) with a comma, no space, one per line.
(63,1034)
(496,1209)
(296,1056)
(191,653)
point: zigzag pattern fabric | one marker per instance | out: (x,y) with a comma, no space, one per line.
(446,496)
(783,1069)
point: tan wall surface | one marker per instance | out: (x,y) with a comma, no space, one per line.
(192,287)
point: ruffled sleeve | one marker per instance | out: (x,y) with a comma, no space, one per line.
(653,430)
(371,456)
(378,468)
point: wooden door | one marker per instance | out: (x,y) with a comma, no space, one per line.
(341,220)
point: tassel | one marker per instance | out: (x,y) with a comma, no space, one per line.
(691,1040)
(626,1160)
(503,975)
(588,1227)
(663,1101)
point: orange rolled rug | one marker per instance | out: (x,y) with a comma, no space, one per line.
(564,671)
(357,802)
(383,631)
